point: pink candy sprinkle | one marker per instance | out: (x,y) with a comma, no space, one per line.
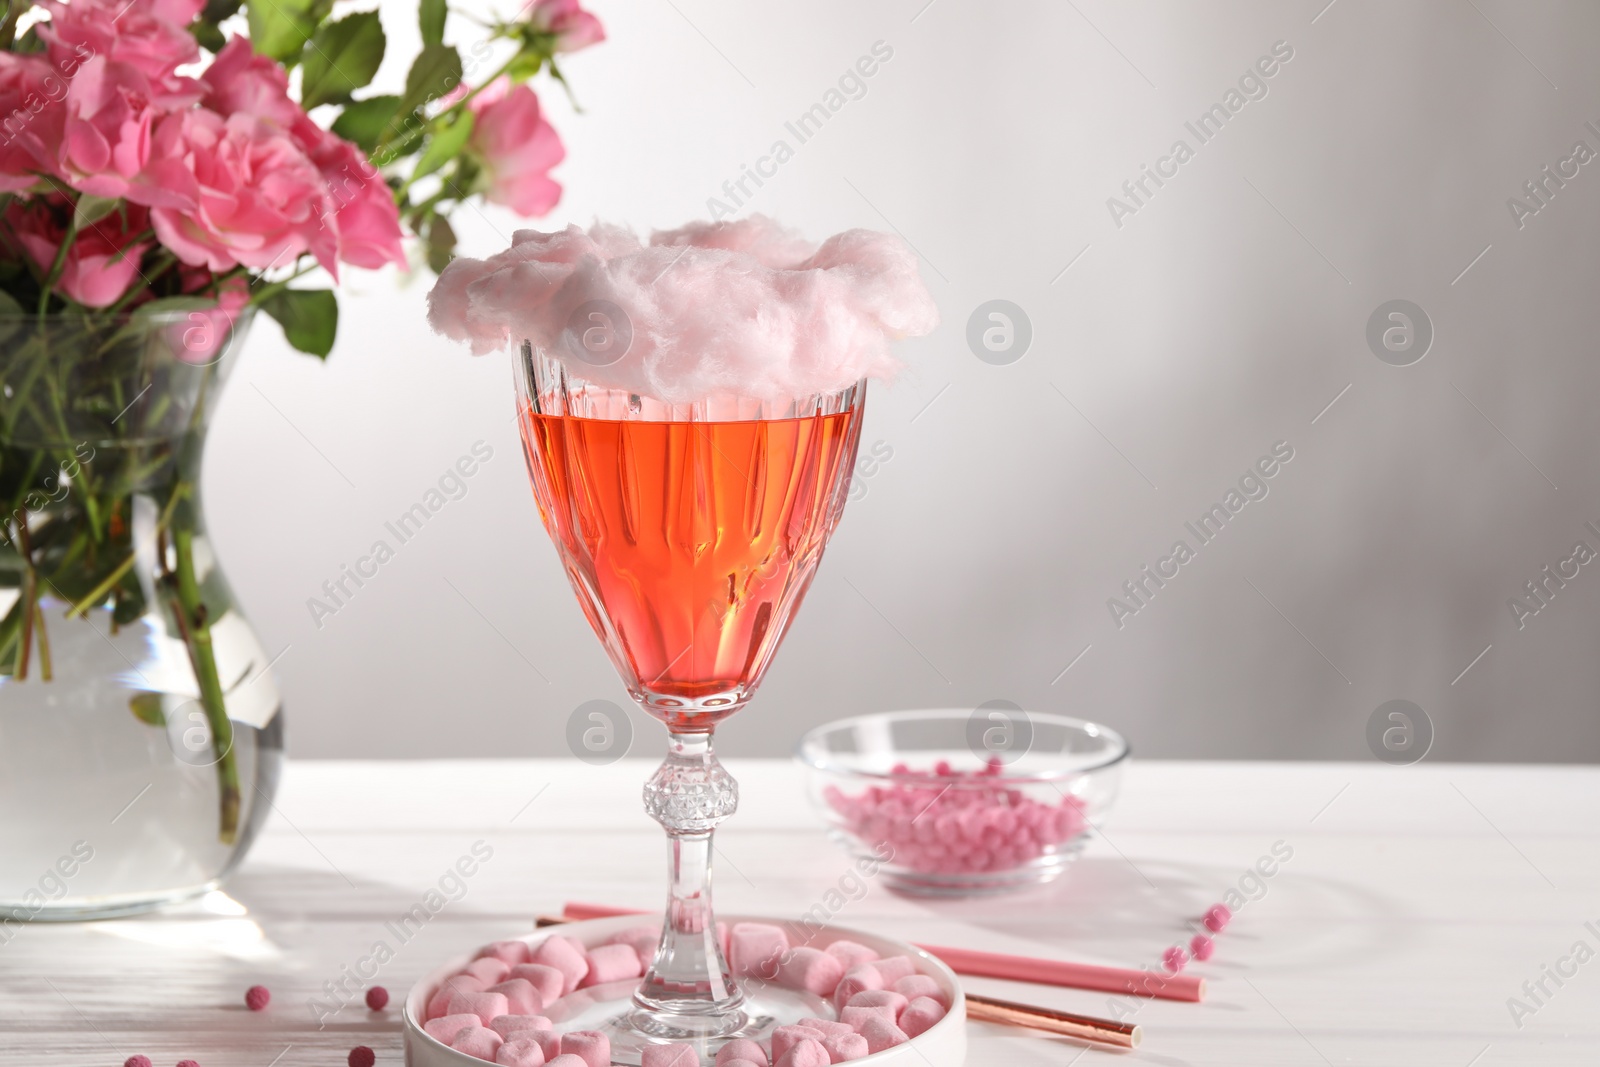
(361,1056)
(1201,946)
(950,822)
(136,1061)
(1174,958)
(1217,917)
(377,998)
(257,997)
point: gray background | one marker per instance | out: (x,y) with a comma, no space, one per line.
(1167,356)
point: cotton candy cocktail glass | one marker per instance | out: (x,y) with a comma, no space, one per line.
(690,409)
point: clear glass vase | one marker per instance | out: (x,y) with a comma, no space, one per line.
(140,730)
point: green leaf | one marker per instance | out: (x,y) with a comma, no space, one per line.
(208,36)
(364,121)
(309,317)
(524,66)
(280,28)
(436,71)
(445,144)
(91,209)
(146,707)
(341,58)
(217,10)
(441,243)
(431,15)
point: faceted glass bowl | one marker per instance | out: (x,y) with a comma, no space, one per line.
(950,802)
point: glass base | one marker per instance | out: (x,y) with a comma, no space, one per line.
(611,1009)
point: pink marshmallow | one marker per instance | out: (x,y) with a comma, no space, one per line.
(520,995)
(520,1052)
(643,939)
(846,1046)
(858,1015)
(549,1040)
(479,1041)
(919,1015)
(896,1002)
(913,986)
(894,968)
(506,1025)
(785,1038)
(591,1046)
(510,952)
(445,1028)
(811,970)
(856,980)
(566,956)
(489,968)
(439,1003)
(669,1056)
(851,953)
(1201,946)
(828,1026)
(754,949)
(566,1060)
(548,982)
(484,1005)
(807,1053)
(881,1035)
(741,1049)
(742,1062)
(611,963)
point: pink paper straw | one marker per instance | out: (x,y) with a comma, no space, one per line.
(1014,968)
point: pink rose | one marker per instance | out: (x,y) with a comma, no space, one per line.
(105,142)
(518,148)
(258,200)
(31,119)
(148,35)
(573,27)
(102,261)
(366,220)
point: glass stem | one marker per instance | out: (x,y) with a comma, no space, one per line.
(689,990)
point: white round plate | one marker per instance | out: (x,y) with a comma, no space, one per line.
(943,1045)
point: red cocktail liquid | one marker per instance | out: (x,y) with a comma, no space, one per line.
(690,544)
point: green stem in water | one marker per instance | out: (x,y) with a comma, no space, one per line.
(45,672)
(195,624)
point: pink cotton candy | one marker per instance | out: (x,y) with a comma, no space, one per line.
(736,308)
(919,1015)
(755,949)
(520,1052)
(506,1025)
(807,1053)
(548,982)
(479,1041)
(881,1035)
(509,952)
(913,986)
(811,970)
(439,1003)
(446,1027)
(566,956)
(850,953)
(591,1046)
(611,963)
(521,997)
(846,1046)
(785,1038)
(741,1048)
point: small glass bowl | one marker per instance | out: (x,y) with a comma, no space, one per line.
(952,802)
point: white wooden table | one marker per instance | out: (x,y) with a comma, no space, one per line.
(1417,901)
